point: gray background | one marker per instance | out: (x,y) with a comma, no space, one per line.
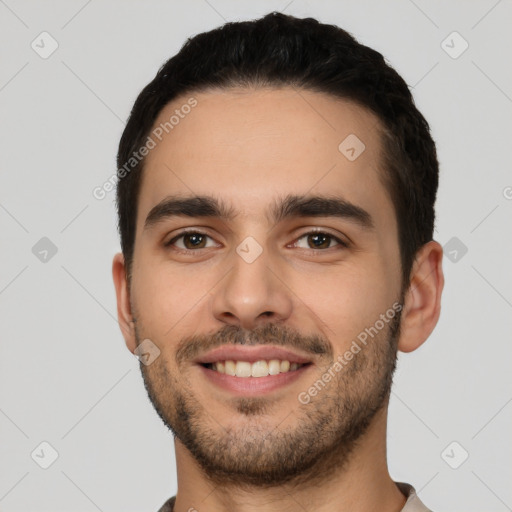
(65,375)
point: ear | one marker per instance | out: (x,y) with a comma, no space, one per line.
(422,303)
(124,313)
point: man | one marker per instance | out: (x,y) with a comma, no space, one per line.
(276,209)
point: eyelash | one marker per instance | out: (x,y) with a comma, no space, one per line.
(341,243)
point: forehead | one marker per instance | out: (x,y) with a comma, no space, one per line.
(248,147)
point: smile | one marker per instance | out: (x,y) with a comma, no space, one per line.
(258,369)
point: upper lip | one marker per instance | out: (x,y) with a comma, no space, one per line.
(250,354)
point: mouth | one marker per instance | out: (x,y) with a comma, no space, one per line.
(252,370)
(258,369)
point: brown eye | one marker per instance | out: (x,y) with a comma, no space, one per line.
(194,240)
(319,240)
(190,240)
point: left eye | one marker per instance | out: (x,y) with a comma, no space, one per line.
(319,240)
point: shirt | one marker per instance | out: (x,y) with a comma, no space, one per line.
(413,503)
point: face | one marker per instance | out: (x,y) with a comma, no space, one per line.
(267,272)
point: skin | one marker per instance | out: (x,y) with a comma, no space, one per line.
(249,147)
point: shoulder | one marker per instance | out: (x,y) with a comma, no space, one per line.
(413,503)
(168,506)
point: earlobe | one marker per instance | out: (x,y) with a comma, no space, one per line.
(422,303)
(124,313)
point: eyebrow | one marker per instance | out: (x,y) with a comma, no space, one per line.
(290,206)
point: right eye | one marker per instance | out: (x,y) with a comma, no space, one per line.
(191,241)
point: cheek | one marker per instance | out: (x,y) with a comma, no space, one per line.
(165,299)
(344,301)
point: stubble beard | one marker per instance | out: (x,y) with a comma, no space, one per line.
(261,451)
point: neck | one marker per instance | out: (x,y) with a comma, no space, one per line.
(362,484)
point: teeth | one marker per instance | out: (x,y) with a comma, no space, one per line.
(229,367)
(274,367)
(257,369)
(243,369)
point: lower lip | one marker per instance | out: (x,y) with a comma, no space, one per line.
(251,386)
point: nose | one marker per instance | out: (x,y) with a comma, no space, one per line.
(252,293)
